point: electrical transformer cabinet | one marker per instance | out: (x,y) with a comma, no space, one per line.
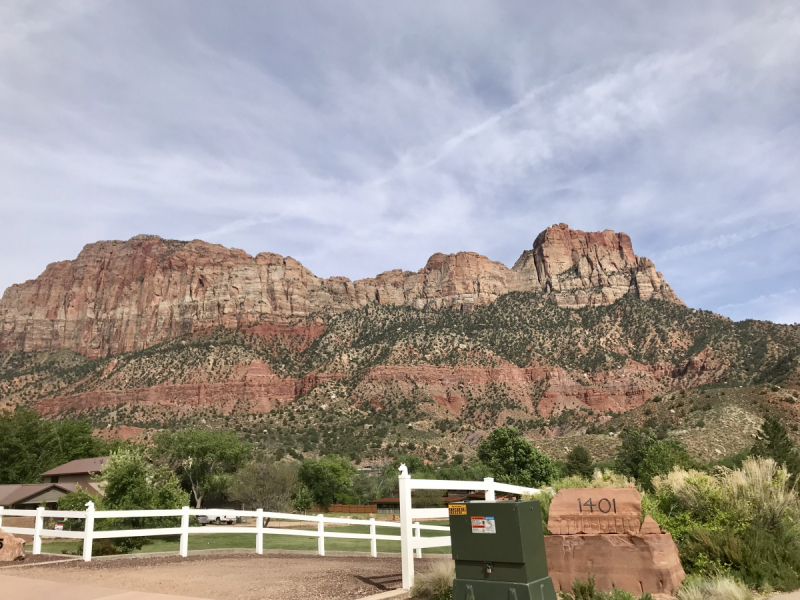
(498,548)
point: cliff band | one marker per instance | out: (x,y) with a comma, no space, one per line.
(120,296)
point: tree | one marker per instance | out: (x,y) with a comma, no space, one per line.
(203,459)
(302,499)
(774,442)
(266,484)
(30,445)
(662,457)
(130,482)
(579,462)
(632,451)
(514,460)
(428,498)
(370,486)
(328,478)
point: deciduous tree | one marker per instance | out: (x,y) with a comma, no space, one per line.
(328,478)
(30,445)
(265,483)
(204,459)
(513,459)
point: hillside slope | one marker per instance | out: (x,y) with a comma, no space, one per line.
(395,375)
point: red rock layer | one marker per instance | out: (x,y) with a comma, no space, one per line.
(123,296)
(254,396)
(614,392)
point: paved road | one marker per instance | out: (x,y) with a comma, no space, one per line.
(22,588)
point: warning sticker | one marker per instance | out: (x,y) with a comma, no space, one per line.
(483,525)
(457,509)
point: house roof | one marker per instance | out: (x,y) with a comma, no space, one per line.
(18,493)
(82,465)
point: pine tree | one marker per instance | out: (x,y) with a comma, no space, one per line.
(774,442)
(579,462)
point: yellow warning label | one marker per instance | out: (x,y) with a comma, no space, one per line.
(457,509)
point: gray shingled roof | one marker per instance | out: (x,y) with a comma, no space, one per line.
(83,465)
(24,491)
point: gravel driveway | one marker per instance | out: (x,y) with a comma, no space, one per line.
(234,576)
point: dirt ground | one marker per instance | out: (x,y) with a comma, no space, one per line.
(234,576)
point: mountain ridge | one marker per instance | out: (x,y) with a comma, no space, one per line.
(119,297)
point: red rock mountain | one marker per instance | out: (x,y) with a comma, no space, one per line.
(120,296)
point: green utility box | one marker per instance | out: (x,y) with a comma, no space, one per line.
(499,551)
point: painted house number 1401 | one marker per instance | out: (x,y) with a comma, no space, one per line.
(603,508)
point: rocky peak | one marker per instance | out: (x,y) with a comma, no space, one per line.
(119,296)
(578,268)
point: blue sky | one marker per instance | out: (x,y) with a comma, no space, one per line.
(362,136)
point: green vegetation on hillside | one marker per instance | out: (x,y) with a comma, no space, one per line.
(356,416)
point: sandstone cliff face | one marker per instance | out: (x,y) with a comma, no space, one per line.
(124,296)
(577,268)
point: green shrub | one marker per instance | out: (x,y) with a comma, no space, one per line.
(586,590)
(741,522)
(762,559)
(129,482)
(513,459)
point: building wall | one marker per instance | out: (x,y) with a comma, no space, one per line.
(76,478)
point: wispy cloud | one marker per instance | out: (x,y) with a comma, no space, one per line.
(781,307)
(723,241)
(363,138)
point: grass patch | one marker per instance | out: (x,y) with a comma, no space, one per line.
(716,588)
(436,582)
(214,541)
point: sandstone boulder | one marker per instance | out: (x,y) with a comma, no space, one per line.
(595,511)
(635,563)
(649,526)
(11,547)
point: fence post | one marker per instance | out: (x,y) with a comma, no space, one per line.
(259,531)
(88,531)
(406,551)
(490,488)
(418,534)
(373,541)
(321,531)
(185,532)
(37,531)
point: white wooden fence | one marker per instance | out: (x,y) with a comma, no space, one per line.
(411,540)
(90,515)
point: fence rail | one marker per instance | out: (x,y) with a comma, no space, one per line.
(184,530)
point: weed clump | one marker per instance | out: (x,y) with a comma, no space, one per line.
(436,582)
(715,588)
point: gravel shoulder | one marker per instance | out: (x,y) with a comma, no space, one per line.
(243,577)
